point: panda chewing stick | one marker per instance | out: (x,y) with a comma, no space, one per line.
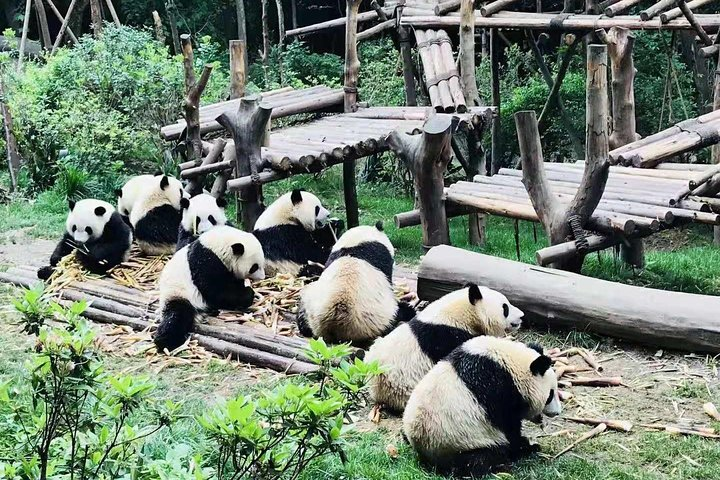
(200,214)
(209,274)
(465,416)
(353,300)
(98,235)
(295,232)
(130,192)
(156,216)
(410,350)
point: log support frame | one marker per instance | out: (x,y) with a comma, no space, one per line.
(352,71)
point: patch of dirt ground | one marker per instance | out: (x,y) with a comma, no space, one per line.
(19,248)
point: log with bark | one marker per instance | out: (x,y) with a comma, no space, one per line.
(675,320)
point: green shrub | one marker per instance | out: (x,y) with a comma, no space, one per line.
(296,66)
(381,81)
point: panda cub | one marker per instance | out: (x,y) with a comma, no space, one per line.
(353,299)
(465,416)
(209,274)
(155,217)
(410,351)
(95,231)
(291,231)
(200,214)
(130,192)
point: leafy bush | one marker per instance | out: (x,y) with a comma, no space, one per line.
(296,66)
(381,81)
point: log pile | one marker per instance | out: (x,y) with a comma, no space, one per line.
(441,76)
(680,321)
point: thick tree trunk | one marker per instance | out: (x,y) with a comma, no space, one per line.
(169,8)
(241,25)
(238,71)
(352,71)
(408,66)
(43,24)
(496,158)
(265,54)
(159,31)
(429,155)
(248,128)
(96,17)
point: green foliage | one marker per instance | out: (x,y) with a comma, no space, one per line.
(278,434)
(66,417)
(381,82)
(296,66)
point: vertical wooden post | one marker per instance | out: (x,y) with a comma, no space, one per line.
(715,152)
(241,27)
(496,159)
(13,157)
(408,75)
(169,6)
(63,23)
(281,38)
(238,73)
(248,128)
(428,155)
(113,13)
(43,24)
(96,17)
(265,54)
(23,37)
(159,32)
(293,10)
(352,71)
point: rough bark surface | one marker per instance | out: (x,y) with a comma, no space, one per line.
(238,71)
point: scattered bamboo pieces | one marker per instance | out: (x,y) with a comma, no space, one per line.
(710,409)
(596,382)
(587,436)
(619,425)
(705,432)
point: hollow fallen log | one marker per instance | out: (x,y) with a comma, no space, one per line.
(674,320)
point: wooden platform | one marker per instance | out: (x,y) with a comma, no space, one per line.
(441,77)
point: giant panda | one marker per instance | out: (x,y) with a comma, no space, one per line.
(465,416)
(98,235)
(200,214)
(128,195)
(156,215)
(410,350)
(209,274)
(353,300)
(291,233)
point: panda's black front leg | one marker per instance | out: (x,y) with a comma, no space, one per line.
(101,257)
(234,296)
(63,248)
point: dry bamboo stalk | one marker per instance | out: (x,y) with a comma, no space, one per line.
(597,381)
(619,425)
(587,436)
(711,411)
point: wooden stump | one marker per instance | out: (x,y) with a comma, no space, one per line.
(248,128)
(428,155)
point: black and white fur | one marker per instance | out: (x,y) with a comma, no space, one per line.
(412,349)
(207,275)
(353,300)
(156,215)
(128,195)
(200,214)
(98,235)
(291,233)
(465,416)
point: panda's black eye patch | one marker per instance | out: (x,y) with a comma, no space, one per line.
(88,230)
(317,210)
(550,397)
(74,228)
(212,220)
(254,268)
(506,310)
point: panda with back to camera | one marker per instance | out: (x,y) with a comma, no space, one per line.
(156,215)
(295,232)
(410,350)
(128,195)
(209,274)
(465,416)
(353,300)
(98,235)
(200,214)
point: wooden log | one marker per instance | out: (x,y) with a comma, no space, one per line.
(238,68)
(159,32)
(619,7)
(494,7)
(113,13)
(208,165)
(378,9)
(703,177)
(658,7)
(352,63)
(412,218)
(24,34)
(248,338)
(375,30)
(338,22)
(405,41)
(13,156)
(446,98)
(428,68)
(43,24)
(677,12)
(428,155)
(568,250)
(447,6)
(63,24)
(679,321)
(96,18)
(446,57)
(248,129)
(495,132)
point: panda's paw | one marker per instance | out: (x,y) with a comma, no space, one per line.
(311,270)
(44,273)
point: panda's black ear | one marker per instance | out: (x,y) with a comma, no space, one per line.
(538,348)
(71,204)
(157,173)
(540,365)
(118,192)
(221,202)
(184,203)
(100,211)
(474,293)
(296,196)
(164,182)
(379,225)
(238,249)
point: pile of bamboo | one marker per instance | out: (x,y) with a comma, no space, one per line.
(284,102)
(441,75)
(328,141)
(683,137)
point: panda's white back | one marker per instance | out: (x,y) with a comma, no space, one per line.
(131,191)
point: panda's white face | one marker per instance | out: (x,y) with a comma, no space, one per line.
(240,252)
(498,311)
(202,213)
(87,218)
(308,210)
(553,405)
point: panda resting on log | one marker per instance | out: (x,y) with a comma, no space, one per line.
(200,214)
(97,235)
(465,416)
(129,194)
(156,215)
(412,349)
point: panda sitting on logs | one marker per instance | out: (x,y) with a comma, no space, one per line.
(353,300)
(128,195)
(97,235)
(410,351)
(200,214)
(465,416)
(296,234)
(156,215)
(209,274)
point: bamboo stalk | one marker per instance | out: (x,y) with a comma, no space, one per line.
(587,436)
(619,425)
